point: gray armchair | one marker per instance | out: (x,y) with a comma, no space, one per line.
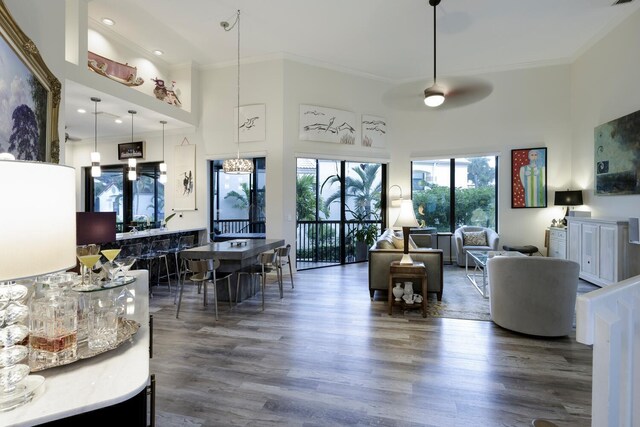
(533,295)
(493,241)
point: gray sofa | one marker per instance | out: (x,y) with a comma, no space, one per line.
(381,255)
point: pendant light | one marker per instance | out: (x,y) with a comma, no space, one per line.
(95,156)
(433,96)
(236,166)
(132,175)
(163,165)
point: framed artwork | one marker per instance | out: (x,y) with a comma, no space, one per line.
(251,123)
(616,156)
(529,178)
(30,102)
(184,178)
(327,125)
(131,150)
(374,131)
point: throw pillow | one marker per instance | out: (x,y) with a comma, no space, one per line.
(474,238)
(385,241)
(398,242)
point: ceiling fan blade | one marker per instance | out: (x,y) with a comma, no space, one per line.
(459,92)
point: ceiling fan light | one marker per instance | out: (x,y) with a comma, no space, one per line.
(433,97)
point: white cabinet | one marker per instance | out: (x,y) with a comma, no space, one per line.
(558,242)
(600,247)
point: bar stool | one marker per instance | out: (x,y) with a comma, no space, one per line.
(266,263)
(284,252)
(203,272)
(158,251)
(184,242)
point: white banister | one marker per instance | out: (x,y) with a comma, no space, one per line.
(609,319)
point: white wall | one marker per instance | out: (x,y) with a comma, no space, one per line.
(605,86)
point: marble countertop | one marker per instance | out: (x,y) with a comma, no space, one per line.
(154,232)
(101,381)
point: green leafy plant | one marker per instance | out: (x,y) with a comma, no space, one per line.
(167,219)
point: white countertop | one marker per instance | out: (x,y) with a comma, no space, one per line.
(154,232)
(101,381)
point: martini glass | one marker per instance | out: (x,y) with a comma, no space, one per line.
(125,260)
(89,261)
(112,268)
(83,251)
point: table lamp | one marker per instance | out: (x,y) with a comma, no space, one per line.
(37,225)
(406,220)
(567,198)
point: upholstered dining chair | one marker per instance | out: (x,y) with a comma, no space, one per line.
(265,263)
(474,238)
(203,272)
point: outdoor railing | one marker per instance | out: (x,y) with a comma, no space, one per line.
(223,226)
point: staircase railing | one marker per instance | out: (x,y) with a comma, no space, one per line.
(609,319)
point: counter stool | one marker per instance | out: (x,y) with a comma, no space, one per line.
(284,258)
(184,242)
(158,251)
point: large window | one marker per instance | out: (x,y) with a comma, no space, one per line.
(238,201)
(138,203)
(448,193)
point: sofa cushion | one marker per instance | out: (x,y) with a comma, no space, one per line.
(474,238)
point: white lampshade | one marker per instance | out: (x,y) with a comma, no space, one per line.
(37,219)
(163,173)
(407,217)
(96,172)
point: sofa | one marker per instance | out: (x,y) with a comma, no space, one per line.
(533,295)
(489,242)
(389,247)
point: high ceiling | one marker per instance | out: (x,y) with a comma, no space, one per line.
(387,39)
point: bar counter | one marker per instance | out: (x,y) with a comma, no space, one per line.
(93,385)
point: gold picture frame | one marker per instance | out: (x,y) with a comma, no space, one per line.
(33,134)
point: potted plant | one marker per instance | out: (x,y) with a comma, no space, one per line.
(364,235)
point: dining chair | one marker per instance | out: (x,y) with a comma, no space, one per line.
(158,252)
(203,272)
(283,259)
(265,263)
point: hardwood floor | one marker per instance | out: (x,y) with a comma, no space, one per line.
(326,355)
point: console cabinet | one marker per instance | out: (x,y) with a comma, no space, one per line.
(600,247)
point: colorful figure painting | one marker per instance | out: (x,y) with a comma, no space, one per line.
(529,178)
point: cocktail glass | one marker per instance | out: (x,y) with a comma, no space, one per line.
(89,261)
(83,251)
(111,268)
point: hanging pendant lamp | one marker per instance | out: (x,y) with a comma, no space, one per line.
(132,175)
(433,96)
(96,171)
(236,166)
(163,165)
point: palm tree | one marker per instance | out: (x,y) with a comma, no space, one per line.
(241,200)
(306,199)
(362,190)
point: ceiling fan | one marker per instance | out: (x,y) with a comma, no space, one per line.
(444,93)
(68,137)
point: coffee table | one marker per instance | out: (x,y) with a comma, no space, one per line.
(480,260)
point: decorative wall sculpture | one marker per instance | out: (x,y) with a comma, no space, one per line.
(327,125)
(617,156)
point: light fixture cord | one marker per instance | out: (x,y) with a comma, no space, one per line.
(163,143)
(238,86)
(95,133)
(131,125)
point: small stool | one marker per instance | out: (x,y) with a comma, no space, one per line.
(527,249)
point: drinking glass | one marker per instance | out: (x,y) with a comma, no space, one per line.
(88,255)
(125,260)
(111,267)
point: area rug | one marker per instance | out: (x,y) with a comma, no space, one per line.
(460,299)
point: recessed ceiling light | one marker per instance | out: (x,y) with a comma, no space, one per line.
(118,121)
(158,52)
(108,21)
(81,110)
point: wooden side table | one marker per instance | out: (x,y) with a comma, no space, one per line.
(418,271)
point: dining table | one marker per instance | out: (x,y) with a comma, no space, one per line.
(233,255)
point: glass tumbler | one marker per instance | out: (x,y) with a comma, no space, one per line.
(102,322)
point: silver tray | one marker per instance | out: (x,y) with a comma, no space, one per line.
(126,330)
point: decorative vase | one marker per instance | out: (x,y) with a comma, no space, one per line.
(408,288)
(398,291)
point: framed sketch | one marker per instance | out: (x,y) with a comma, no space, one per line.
(374,131)
(529,178)
(184,178)
(30,102)
(131,150)
(617,151)
(251,123)
(327,125)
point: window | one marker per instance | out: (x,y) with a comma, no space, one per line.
(448,193)
(139,203)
